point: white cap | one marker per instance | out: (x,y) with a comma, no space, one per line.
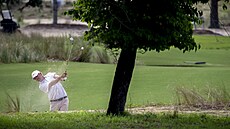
(35,73)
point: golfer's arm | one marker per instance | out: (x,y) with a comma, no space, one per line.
(52,83)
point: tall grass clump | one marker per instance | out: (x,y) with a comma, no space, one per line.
(13,104)
(23,49)
(98,54)
(94,54)
(90,51)
(5,56)
(35,48)
(208,98)
(18,48)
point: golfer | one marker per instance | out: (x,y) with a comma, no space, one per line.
(50,84)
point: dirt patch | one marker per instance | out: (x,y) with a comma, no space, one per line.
(167,109)
(179,110)
(204,32)
(224,31)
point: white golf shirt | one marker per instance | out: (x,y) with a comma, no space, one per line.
(55,92)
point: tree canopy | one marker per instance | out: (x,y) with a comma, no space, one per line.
(148,25)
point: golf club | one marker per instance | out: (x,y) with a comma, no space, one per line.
(69,53)
(70,50)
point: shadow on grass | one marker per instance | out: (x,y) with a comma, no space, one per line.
(186,64)
(180,65)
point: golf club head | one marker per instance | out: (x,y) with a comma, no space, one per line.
(65,78)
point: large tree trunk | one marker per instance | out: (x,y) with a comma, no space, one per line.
(214,19)
(121,81)
(55,11)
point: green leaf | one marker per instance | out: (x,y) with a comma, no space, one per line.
(225,7)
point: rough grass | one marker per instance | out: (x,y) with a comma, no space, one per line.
(19,48)
(13,103)
(86,120)
(208,99)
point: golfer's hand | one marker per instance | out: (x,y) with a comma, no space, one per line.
(64,75)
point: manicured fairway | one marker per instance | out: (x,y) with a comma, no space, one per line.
(89,85)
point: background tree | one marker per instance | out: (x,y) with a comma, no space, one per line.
(214,17)
(55,12)
(136,24)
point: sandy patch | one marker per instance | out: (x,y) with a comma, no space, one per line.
(48,30)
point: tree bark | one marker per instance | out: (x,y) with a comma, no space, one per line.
(214,19)
(121,81)
(55,11)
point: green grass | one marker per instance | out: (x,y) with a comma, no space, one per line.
(214,50)
(85,120)
(213,42)
(174,57)
(155,78)
(89,85)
